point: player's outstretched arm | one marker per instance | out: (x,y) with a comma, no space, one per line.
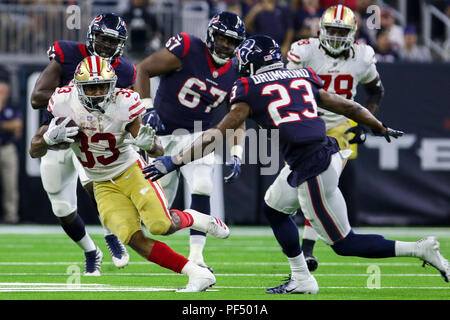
(356,112)
(45,85)
(199,148)
(160,62)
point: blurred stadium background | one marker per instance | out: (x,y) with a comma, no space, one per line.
(405,183)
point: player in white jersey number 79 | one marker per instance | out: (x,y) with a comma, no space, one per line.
(342,64)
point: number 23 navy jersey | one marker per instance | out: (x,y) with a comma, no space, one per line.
(196,90)
(287,100)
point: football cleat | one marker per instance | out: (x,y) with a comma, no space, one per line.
(428,251)
(209,224)
(93,263)
(119,253)
(312,263)
(199,281)
(303,286)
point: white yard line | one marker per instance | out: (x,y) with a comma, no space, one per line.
(145,274)
(238,230)
(61,287)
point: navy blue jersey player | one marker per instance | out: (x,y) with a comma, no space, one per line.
(287,100)
(60,169)
(195,80)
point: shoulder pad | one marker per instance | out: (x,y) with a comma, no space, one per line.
(129,103)
(300,51)
(59,101)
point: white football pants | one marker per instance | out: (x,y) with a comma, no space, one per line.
(60,171)
(319,198)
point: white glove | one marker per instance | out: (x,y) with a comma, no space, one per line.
(145,138)
(59,133)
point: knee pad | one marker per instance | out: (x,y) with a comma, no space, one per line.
(159,227)
(286,203)
(61,208)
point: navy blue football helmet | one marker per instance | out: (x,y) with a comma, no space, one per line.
(229,25)
(258,52)
(106,36)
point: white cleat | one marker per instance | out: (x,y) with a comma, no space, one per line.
(303,286)
(428,251)
(209,224)
(119,253)
(199,281)
(93,263)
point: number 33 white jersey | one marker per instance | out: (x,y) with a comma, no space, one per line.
(100,150)
(340,75)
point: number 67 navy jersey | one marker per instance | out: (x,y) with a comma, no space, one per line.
(195,91)
(287,100)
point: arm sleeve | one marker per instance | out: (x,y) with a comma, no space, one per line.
(239,92)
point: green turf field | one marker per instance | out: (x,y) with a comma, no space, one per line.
(42,263)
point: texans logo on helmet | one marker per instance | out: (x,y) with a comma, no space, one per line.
(245,49)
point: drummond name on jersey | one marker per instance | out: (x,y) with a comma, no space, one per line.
(279,74)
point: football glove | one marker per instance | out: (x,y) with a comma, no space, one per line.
(236,170)
(389,133)
(145,138)
(151,118)
(359,132)
(159,168)
(59,133)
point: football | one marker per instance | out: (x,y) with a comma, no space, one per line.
(70,124)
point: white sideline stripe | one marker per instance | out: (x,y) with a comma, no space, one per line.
(219,274)
(387,264)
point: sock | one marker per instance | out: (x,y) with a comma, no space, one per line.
(309,239)
(405,249)
(76,230)
(365,245)
(299,268)
(196,245)
(285,231)
(185,218)
(200,203)
(164,256)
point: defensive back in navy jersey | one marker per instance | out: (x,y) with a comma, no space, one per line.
(287,100)
(196,90)
(70,53)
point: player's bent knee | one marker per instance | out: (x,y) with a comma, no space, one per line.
(159,227)
(124,233)
(62,209)
(345,246)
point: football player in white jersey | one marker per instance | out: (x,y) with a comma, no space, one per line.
(107,124)
(342,64)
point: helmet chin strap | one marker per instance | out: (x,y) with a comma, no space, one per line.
(218,59)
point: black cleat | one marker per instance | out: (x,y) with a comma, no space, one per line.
(312,263)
